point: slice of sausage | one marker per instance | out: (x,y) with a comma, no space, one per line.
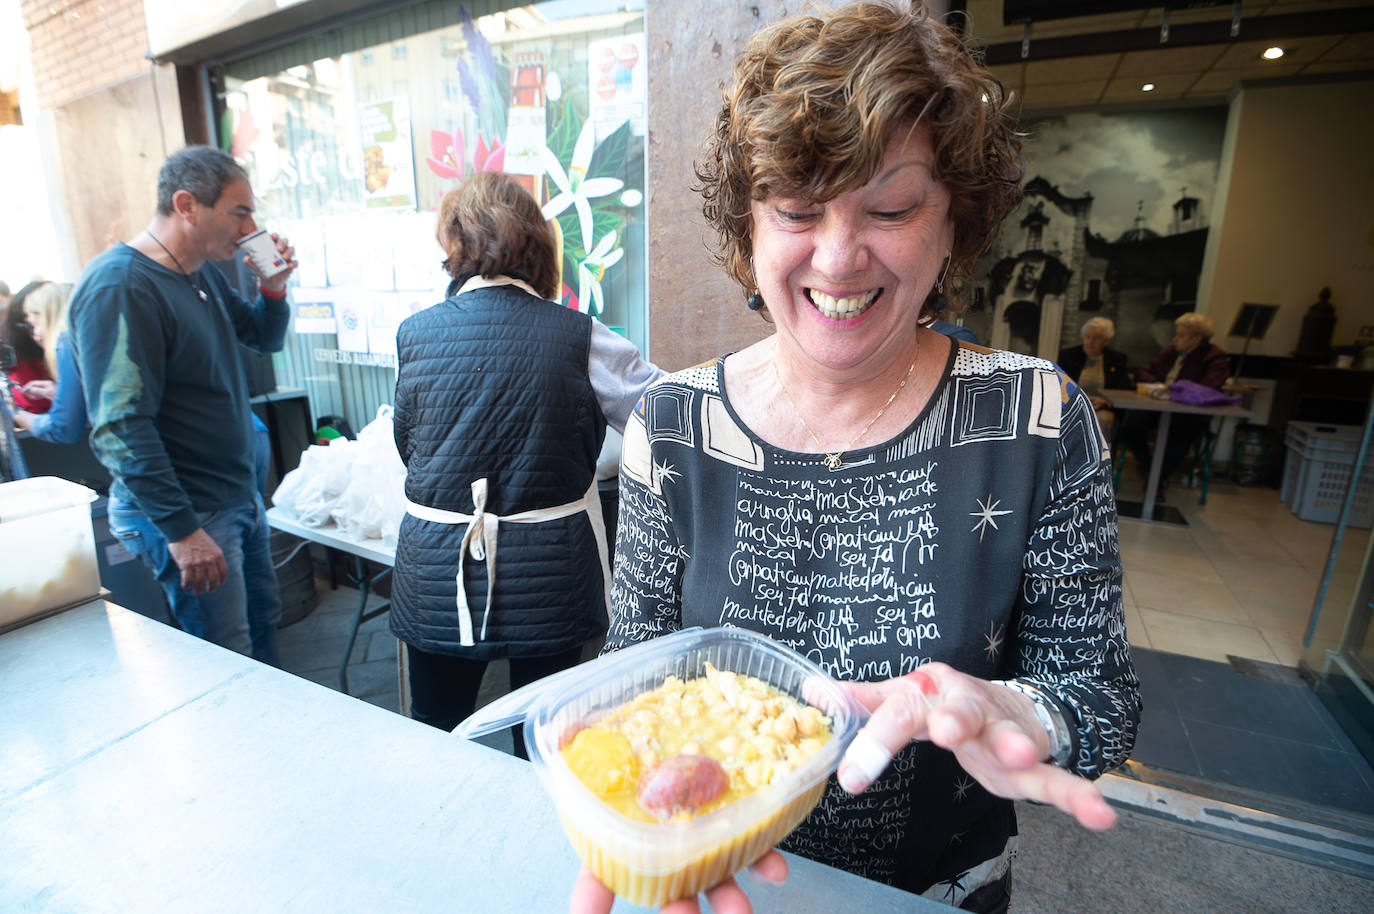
(681,783)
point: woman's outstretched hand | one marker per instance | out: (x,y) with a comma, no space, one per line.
(591,897)
(992,731)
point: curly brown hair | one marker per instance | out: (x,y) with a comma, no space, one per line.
(814,102)
(491,226)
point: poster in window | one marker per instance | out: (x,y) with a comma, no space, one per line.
(417,255)
(352,311)
(382,321)
(313,310)
(526,126)
(616,82)
(343,248)
(388,156)
(307,237)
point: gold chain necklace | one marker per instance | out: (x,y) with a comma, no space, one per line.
(832,460)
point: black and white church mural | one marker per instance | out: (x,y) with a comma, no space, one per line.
(1113,224)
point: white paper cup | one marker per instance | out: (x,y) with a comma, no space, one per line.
(262,253)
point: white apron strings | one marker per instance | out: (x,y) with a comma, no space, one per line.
(481,537)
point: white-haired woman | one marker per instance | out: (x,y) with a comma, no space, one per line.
(1191,357)
(1097,368)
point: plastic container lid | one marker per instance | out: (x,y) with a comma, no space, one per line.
(40,495)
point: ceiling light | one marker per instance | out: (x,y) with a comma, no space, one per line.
(1273,53)
(1148,87)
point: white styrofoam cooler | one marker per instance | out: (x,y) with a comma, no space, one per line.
(47,547)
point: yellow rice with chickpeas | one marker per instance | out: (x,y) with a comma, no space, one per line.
(686,748)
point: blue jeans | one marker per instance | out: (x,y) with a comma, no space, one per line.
(262,453)
(243,613)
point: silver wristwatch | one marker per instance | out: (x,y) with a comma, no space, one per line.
(1047,712)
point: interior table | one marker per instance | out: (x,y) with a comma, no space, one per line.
(363,551)
(142,769)
(1130,400)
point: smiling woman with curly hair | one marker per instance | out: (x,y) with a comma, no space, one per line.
(932,522)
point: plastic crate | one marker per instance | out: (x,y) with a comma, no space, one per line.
(1319,489)
(1312,441)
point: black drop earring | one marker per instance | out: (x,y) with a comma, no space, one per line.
(755,301)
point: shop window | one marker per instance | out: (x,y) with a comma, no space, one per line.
(351,164)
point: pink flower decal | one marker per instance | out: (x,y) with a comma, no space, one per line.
(245,132)
(493,159)
(448,155)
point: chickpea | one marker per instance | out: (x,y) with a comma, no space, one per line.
(767,746)
(754,734)
(729,688)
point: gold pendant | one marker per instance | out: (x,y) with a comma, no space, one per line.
(833,461)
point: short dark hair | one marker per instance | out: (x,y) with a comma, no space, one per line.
(201,171)
(491,226)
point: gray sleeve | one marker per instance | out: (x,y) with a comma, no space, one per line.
(618,374)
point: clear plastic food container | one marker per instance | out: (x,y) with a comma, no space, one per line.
(49,548)
(652,864)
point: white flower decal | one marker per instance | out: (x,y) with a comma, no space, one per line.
(575,188)
(591,270)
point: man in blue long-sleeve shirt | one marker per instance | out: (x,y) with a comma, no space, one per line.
(156,329)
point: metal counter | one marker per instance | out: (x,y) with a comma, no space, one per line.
(145,770)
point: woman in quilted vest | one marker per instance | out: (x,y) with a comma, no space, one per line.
(502,401)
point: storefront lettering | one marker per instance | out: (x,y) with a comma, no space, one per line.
(308,166)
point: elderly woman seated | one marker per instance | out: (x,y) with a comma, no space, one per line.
(1191,357)
(1097,368)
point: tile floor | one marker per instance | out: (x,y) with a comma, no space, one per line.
(1239,580)
(1210,722)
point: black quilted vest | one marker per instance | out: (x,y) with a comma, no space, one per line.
(494,384)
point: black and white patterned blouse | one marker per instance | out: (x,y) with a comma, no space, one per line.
(983,536)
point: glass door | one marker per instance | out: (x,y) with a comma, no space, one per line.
(1339,646)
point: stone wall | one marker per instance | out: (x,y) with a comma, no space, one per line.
(695,311)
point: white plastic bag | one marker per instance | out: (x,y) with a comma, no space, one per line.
(311,491)
(373,503)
